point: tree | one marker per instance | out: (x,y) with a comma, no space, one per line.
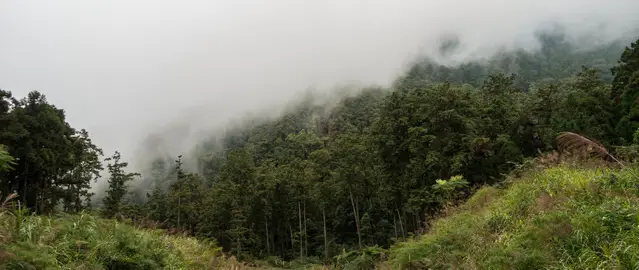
(185,196)
(625,91)
(40,139)
(236,179)
(323,188)
(118,179)
(86,168)
(157,205)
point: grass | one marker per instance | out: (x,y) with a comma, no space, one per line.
(559,218)
(84,241)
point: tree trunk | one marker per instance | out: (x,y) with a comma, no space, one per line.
(239,246)
(356,215)
(299,208)
(405,222)
(26,182)
(281,233)
(395,225)
(401,224)
(325,237)
(268,245)
(305,233)
(290,227)
(179,206)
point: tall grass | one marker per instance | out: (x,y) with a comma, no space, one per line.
(557,218)
(84,241)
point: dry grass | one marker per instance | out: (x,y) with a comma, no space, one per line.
(4,207)
(4,222)
(575,143)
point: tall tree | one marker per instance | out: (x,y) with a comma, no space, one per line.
(86,168)
(118,179)
(185,196)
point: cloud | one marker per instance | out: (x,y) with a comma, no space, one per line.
(124,69)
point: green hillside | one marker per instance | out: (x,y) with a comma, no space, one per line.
(557,218)
(564,217)
(83,241)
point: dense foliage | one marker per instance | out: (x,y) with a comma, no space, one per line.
(54,163)
(357,174)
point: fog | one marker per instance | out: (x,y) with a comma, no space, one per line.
(127,69)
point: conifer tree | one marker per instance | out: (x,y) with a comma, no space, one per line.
(118,179)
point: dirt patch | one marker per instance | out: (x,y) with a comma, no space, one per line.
(545,202)
(6,256)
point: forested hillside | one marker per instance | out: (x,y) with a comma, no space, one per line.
(365,171)
(322,179)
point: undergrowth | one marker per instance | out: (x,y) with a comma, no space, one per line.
(558,218)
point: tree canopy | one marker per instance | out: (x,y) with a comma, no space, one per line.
(54,163)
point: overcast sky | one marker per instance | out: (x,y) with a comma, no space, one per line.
(122,69)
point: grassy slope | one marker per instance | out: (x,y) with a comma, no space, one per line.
(558,218)
(86,242)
